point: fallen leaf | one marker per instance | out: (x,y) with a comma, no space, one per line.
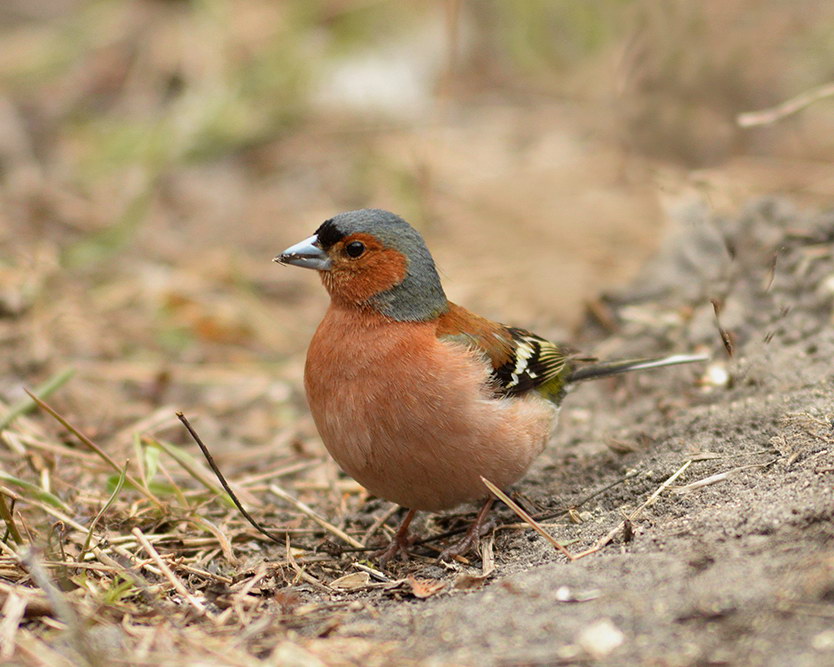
(468,582)
(351,581)
(425,588)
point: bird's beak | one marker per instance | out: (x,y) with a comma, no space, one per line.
(306,254)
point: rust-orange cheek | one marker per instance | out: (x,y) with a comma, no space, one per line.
(356,282)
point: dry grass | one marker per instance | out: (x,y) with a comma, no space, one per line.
(157,548)
(155,155)
(158,561)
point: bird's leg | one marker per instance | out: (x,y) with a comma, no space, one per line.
(399,543)
(473,536)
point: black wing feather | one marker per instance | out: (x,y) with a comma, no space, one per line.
(535,362)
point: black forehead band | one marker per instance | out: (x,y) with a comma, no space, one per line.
(329,234)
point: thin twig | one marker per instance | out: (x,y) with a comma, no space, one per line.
(98,450)
(636,513)
(283,471)
(306,576)
(168,573)
(223,541)
(719,477)
(129,571)
(727,337)
(487,549)
(515,507)
(379,522)
(589,497)
(546,517)
(786,108)
(310,512)
(223,481)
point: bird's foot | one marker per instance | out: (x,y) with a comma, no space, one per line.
(399,543)
(470,541)
(396,547)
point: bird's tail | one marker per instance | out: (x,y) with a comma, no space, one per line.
(606,368)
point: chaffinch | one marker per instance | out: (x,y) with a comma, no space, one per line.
(414,396)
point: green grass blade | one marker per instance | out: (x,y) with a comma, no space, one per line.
(106,506)
(34,490)
(192,467)
(8,519)
(27,404)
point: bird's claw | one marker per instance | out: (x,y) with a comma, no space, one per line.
(399,543)
(469,542)
(398,546)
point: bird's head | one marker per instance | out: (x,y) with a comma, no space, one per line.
(373,259)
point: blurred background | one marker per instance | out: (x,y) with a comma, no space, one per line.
(156,154)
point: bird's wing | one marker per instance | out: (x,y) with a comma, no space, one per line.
(521,361)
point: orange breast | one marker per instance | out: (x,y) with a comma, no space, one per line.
(410,417)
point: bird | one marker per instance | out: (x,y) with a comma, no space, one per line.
(416,397)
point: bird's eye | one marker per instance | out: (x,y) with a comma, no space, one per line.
(355,248)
